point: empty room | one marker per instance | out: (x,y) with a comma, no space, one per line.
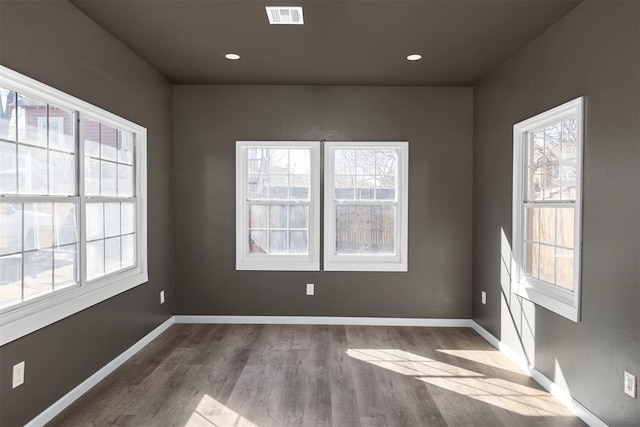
(319,213)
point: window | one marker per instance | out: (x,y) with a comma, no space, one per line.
(72,205)
(365,210)
(547,167)
(277,205)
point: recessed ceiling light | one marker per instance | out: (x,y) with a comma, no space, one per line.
(287,15)
(232,56)
(414,57)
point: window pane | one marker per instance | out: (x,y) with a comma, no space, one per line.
(62,173)
(279,161)
(258,186)
(365,187)
(128,218)
(385,187)
(10,279)
(565,227)
(111,219)
(258,216)
(278,216)
(8,171)
(108,179)
(548,225)
(532,231)
(128,250)
(32,121)
(10,228)
(365,162)
(32,168)
(125,181)
(91,138)
(532,256)
(95,259)
(257,242)
(564,268)
(345,162)
(344,187)
(38,226)
(298,216)
(95,221)
(125,147)
(92,177)
(547,263)
(299,187)
(8,119)
(65,266)
(112,255)
(299,162)
(365,229)
(278,186)
(108,142)
(552,185)
(298,242)
(38,273)
(65,224)
(386,161)
(277,242)
(61,129)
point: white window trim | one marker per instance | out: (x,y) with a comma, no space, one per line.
(560,301)
(244,261)
(24,318)
(397,262)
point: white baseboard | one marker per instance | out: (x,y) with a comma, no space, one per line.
(322,320)
(562,395)
(94,379)
(558,392)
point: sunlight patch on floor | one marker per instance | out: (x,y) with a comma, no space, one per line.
(504,394)
(211,413)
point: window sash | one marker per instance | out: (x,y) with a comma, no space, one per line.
(553,296)
(247,260)
(396,261)
(21,318)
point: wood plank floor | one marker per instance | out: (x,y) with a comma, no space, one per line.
(285,375)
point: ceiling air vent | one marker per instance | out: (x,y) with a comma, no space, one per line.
(285,15)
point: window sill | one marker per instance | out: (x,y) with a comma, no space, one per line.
(558,301)
(30,316)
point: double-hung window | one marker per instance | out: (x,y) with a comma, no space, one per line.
(365,206)
(72,205)
(547,182)
(277,204)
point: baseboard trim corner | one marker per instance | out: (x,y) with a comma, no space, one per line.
(66,400)
(325,320)
(556,391)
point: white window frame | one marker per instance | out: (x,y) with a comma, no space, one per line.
(564,302)
(28,316)
(341,262)
(302,262)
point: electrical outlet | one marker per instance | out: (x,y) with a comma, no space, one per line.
(18,374)
(484,297)
(161,297)
(630,385)
(310,289)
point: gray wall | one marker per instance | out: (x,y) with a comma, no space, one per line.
(593,52)
(55,43)
(436,122)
